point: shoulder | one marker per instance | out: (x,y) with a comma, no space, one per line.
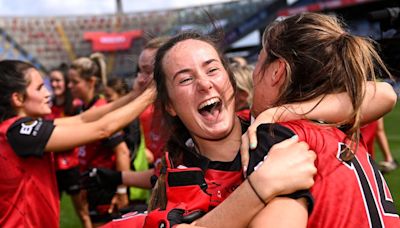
(272,133)
(29,134)
(267,136)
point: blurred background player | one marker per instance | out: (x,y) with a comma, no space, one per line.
(134,138)
(66,163)
(151,120)
(375,132)
(87,79)
(244,93)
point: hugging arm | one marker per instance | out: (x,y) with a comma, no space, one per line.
(288,168)
(380,99)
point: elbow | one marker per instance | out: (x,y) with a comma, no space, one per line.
(105,131)
(389,96)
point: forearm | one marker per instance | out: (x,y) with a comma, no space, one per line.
(121,117)
(94,114)
(122,158)
(379,99)
(243,199)
(140,179)
(282,212)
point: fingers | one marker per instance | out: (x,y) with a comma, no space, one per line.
(113,205)
(252,135)
(289,142)
(244,153)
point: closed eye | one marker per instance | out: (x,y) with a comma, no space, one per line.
(185,81)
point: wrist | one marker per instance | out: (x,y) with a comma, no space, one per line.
(121,190)
(264,189)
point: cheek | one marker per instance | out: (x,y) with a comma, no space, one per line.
(260,100)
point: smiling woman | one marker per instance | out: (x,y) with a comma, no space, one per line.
(26,139)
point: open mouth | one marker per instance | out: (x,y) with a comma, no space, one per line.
(210,107)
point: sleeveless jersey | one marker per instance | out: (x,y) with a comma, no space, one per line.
(28,188)
(66,159)
(346,193)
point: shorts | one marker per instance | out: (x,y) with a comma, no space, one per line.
(99,201)
(68,180)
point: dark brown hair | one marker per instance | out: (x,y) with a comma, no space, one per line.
(177,132)
(12,79)
(68,99)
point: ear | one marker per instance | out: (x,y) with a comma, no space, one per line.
(92,81)
(279,71)
(17,99)
(170,110)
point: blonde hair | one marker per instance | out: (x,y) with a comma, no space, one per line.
(244,80)
(95,65)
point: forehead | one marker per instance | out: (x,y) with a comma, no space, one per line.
(33,76)
(188,52)
(73,73)
(56,74)
(147,55)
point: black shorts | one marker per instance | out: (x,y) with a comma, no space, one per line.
(99,202)
(68,180)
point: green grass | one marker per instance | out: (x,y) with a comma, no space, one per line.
(69,218)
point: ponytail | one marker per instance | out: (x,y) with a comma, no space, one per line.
(158,197)
(360,61)
(99,59)
(93,66)
(322,58)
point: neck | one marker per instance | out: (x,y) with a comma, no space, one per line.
(86,100)
(59,100)
(224,149)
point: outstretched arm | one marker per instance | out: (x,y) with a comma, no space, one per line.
(98,112)
(82,133)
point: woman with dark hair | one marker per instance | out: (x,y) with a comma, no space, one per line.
(87,82)
(66,162)
(28,190)
(202,166)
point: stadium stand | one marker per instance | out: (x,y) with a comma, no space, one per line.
(52,40)
(48,41)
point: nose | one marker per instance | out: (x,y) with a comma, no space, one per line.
(46,92)
(204,84)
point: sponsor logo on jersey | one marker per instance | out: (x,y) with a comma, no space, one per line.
(27,128)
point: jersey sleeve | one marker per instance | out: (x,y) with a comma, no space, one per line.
(28,136)
(267,136)
(114,140)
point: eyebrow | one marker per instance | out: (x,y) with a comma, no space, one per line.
(185,70)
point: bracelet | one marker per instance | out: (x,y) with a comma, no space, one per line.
(122,190)
(255,191)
